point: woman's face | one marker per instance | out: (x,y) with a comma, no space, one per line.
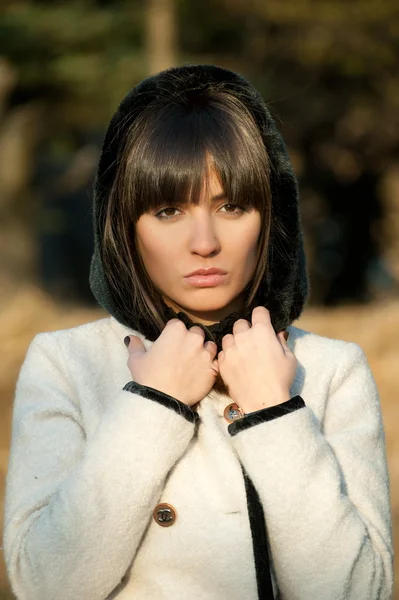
(175,240)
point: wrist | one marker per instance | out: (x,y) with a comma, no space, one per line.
(263,401)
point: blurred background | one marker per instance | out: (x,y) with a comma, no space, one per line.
(328,71)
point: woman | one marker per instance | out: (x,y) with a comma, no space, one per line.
(153,472)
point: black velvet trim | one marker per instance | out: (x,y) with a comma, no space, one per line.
(266,414)
(259,540)
(152,394)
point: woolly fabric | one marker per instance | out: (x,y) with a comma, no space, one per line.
(284,288)
(89,462)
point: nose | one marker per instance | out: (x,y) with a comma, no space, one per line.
(203,236)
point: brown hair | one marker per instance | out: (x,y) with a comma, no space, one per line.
(164,159)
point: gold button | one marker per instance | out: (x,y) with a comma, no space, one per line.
(164,514)
(232,412)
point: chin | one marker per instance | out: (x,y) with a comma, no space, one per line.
(205,304)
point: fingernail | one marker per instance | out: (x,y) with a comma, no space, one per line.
(126,341)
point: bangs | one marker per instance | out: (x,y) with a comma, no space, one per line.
(171,147)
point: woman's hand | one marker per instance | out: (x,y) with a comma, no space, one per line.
(178,363)
(256,364)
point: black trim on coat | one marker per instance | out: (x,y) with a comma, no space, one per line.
(152,394)
(266,414)
(259,540)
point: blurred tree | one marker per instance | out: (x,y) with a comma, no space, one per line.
(81,56)
(329,67)
(73,62)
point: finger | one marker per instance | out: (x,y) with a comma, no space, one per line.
(174,327)
(260,314)
(211,348)
(227,341)
(198,331)
(174,321)
(135,345)
(241,325)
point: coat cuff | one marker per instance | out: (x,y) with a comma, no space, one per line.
(266,414)
(152,394)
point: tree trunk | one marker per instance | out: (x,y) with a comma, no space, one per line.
(161,35)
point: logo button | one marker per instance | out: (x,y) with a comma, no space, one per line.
(164,514)
(232,412)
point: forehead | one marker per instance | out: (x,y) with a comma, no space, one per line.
(210,189)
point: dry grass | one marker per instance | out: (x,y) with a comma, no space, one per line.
(373,327)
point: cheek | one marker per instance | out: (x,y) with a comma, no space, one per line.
(156,252)
(250,242)
(152,255)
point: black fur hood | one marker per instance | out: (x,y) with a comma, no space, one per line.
(285,286)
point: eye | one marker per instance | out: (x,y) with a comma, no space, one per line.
(239,209)
(166,217)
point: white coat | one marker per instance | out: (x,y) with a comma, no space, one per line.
(90,461)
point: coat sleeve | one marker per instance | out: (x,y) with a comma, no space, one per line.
(77,508)
(325,489)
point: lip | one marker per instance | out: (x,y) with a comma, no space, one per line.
(206,280)
(207,272)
